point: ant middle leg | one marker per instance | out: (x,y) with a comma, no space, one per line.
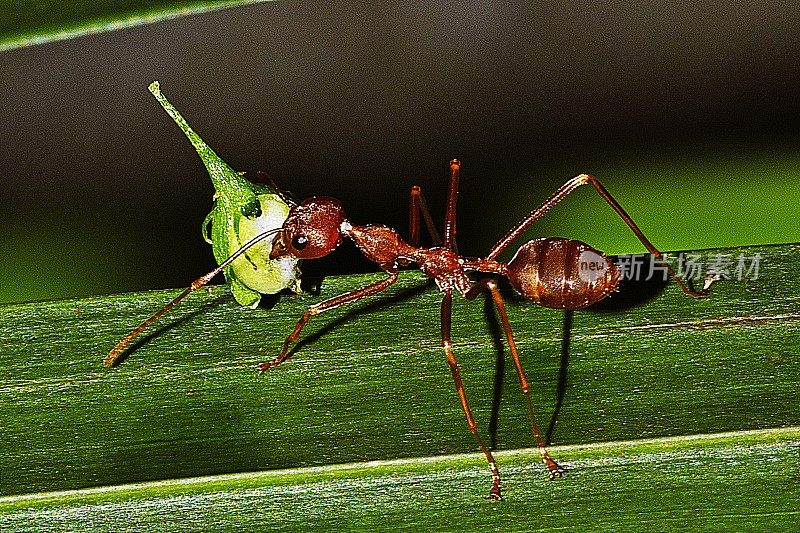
(561,193)
(452,362)
(327,305)
(450,210)
(419,206)
(488,284)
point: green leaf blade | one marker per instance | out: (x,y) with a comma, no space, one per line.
(370,382)
(683,483)
(27,22)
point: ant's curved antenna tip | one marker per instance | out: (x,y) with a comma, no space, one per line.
(113,357)
(455,163)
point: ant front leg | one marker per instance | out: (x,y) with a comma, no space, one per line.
(321,307)
(488,284)
(446,314)
(561,193)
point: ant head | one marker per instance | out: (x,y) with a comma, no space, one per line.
(312,229)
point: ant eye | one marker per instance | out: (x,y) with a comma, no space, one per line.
(299,242)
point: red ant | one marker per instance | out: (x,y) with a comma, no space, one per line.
(553,272)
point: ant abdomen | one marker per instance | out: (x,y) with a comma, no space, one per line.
(562,273)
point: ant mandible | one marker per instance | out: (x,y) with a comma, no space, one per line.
(553,272)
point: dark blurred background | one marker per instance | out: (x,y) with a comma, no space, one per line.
(686,110)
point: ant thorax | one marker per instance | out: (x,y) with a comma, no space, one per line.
(385,247)
(445,267)
(380,244)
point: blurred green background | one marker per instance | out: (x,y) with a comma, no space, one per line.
(686,111)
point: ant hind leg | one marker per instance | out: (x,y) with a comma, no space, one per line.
(488,284)
(564,191)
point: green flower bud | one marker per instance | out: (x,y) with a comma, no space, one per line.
(241,211)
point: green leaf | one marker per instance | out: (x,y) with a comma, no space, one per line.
(27,22)
(713,381)
(732,481)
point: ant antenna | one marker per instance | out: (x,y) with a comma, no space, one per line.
(114,355)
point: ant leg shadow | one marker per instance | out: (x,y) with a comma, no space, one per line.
(638,286)
(147,338)
(499,368)
(561,386)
